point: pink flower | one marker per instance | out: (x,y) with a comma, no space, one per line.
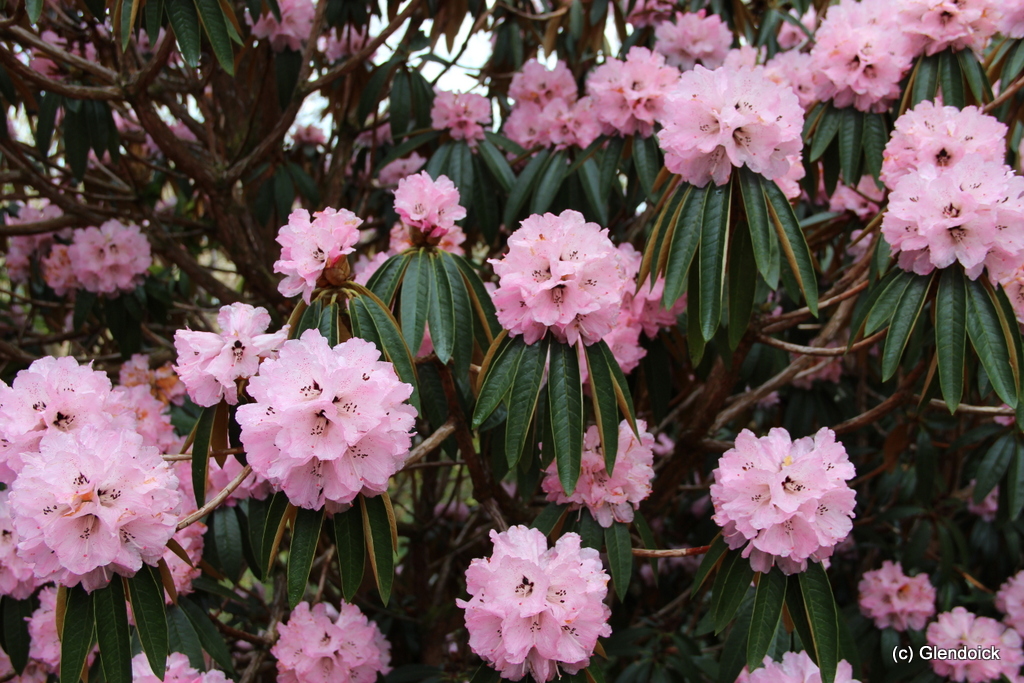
(92,504)
(17,579)
(1010,601)
(611,497)
(191,541)
(365,266)
(42,629)
(536,83)
(630,96)
(178,670)
(151,419)
(1008,272)
(1011,23)
(724,118)
(791,36)
(403,237)
(428,205)
(744,57)
(400,168)
(864,201)
(694,38)
(344,42)
(560,273)
(58,272)
(327,423)
(211,364)
(969,212)
(930,135)
(463,114)
(649,12)
(527,125)
(321,645)
(795,667)
(961,629)
(533,609)
(310,135)
(895,600)
(862,56)
(796,70)
(989,505)
(308,248)
(295,25)
(558,122)
(163,382)
(786,501)
(253,486)
(111,258)
(938,24)
(21,248)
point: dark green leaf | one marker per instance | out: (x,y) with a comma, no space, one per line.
(794,245)
(603,399)
(328,324)
(49,102)
(974,73)
(400,151)
(715,551)
(926,79)
(620,556)
(310,319)
(84,302)
(182,637)
(822,617)
(305,535)
(1015,482)
(951,80)
(951,335)
(185,22)
(497,164)
(392,345)
(875,138)
(77,638)
(215,23)
(655,253)
(268,533)
(16,639)
(885,305)
(851,140)
(902,324)
(989,341)
(303,182)
(460,168)
(201,453)
(463,330)
(742,274)
(154,20)
(351,545)
(441,310)
(400,109)
(684,243)
(209,637)
(35,9)
(374,90)
(480,298)
(590,181)
(828,126)
(714,237)
(647,162)
(522,399)
(147,596)
(565,401)
(415,303)
(610,165)
(768,601)
(765,243)
(731,584)
(733,659)
(384,282)
(547,519)
(994,465)
(112,632)
(76,139)
(550,182)
(227,534)
(379,545)
(498,380)
(622,395)
(523,187)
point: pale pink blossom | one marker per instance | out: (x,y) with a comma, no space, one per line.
(795,667)
(540,85)
(210,364)
(191,541)
(962,629)
(1011,22)
(310,247)
(178,670)
(724,118)
(649,12)
(464,115)
(895,600)
(58,272)
(609,497)
(151,418)
(22,248)
(533,609)
(253,486)
(629,96)
(860,53)
(428,205)
(559,122)
(1010,601)
(344,42)
(92,504)
(311,135)
(784,501)
(959,24)
(44,646)
(163,381)
(17,579)
(1008,272)
(528,126)
(323,645)
(365,266)
(294,28)
(111,258)
(864,201)
(400,168)
(796,70)
(790,35)
(560,273)
(968,212)
(327,424)
(989,505)
(744,57)
(403,237)
(693,38)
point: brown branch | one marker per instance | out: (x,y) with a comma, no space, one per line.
(772,324)
(900,396)
(974,410)
(1005,95)
(217,500)
(40,227)
(671,552)
(25,37)
(77,92)
(430,443)
(818,351)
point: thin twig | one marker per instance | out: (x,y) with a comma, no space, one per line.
(431,442)
(818,351)
(217,500)
(671,552)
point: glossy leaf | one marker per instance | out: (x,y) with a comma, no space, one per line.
(647,161)
(441,312)
(993,466)
(885,305)
(685,239)
(112,632)
(212,17)
(762,235)
(604,402)
(1015,482)
(201,453)
(185,22)
(523,187)
(904,318)
(742,274)
(147,597)
(828,127)
(716,550)
(463,330)
(875,138)
(268,534)
(822,617)
(480,299)
(328,324)
(926,79)
(851,141)
(951,80)
(227,536)
(210,638)
(14,636)
(522,398)
(377,527)
(498,380)
(305,535)
(951,335)
(350,542)
(731,584)
(497,164)
(415,302)
(769,599)
(389,339)
(565,401)
(550,183)
(77,637)
(794,244)
(620,556)
(986,334)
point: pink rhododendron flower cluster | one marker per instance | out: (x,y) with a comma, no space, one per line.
(864,201)
(295,25)
(178,670)
(1011,21)
(327,423)
(1010,601)
(536,83)
(786,501)
(933,136)
(309,248)
(109,259)
(17,578)
(989,505)
(693,38)
(895,600)
(629,96)
(310,135)
(790,35)
(429,206)
(463,115)
(862,55)
(796,70)
(533,609)
(649,12)
(322,644)
(971,212)
(400,168)
(21,248)
(163,382)
(148,415)
(211,364)
(960,628)
(42,629)
(937,24)
(730,117)
(560,274)
(94,503)
(795,667)
(609,497)
(561,123)
(58,272)
(253,486)
(344,42)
